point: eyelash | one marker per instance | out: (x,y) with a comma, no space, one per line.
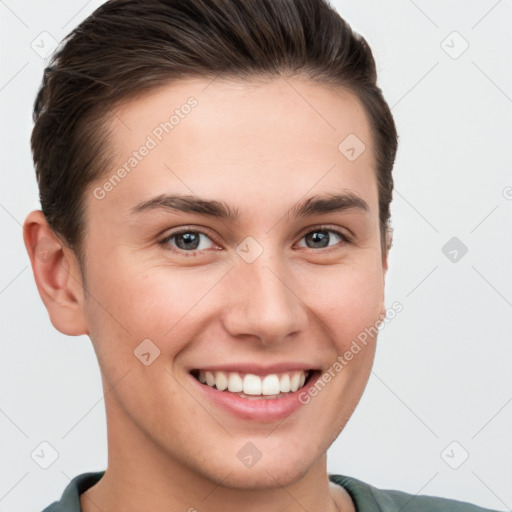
(164,242)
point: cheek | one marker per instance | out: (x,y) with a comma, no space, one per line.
(129,303)
(347,299)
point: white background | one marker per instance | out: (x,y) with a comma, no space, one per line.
(443,367)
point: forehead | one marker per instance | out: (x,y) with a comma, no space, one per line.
(245,141)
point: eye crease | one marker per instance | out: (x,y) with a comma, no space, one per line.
(191,240)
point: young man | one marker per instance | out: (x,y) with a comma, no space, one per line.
(215,181)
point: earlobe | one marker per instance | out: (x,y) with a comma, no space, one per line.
(57,275)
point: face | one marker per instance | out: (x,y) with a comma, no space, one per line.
(278,288)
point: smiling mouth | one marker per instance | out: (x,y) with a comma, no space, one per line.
(251,386)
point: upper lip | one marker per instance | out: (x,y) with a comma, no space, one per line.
(257,369)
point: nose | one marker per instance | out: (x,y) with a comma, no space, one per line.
(263,301)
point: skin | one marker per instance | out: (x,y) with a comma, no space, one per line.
(261,148)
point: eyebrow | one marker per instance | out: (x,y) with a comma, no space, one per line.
(218,209)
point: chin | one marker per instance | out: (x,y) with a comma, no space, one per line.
(266,476)
(274,468)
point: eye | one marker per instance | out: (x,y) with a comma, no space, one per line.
(190,242)
(321,238)
(187,241)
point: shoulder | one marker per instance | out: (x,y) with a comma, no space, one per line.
(370,499)
(70,499)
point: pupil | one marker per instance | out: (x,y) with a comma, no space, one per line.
(188,238)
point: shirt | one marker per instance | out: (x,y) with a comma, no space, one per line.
(365,497)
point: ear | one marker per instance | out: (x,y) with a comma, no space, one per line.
(57,275)
(388,242)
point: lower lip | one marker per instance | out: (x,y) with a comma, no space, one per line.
(260,409)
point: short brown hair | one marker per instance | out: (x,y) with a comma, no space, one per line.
(130,46)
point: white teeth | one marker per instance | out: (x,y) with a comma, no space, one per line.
(235,383)
(294,382)
(210,379)
(221,381)
(285,383)
(250,384)
(270,385)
